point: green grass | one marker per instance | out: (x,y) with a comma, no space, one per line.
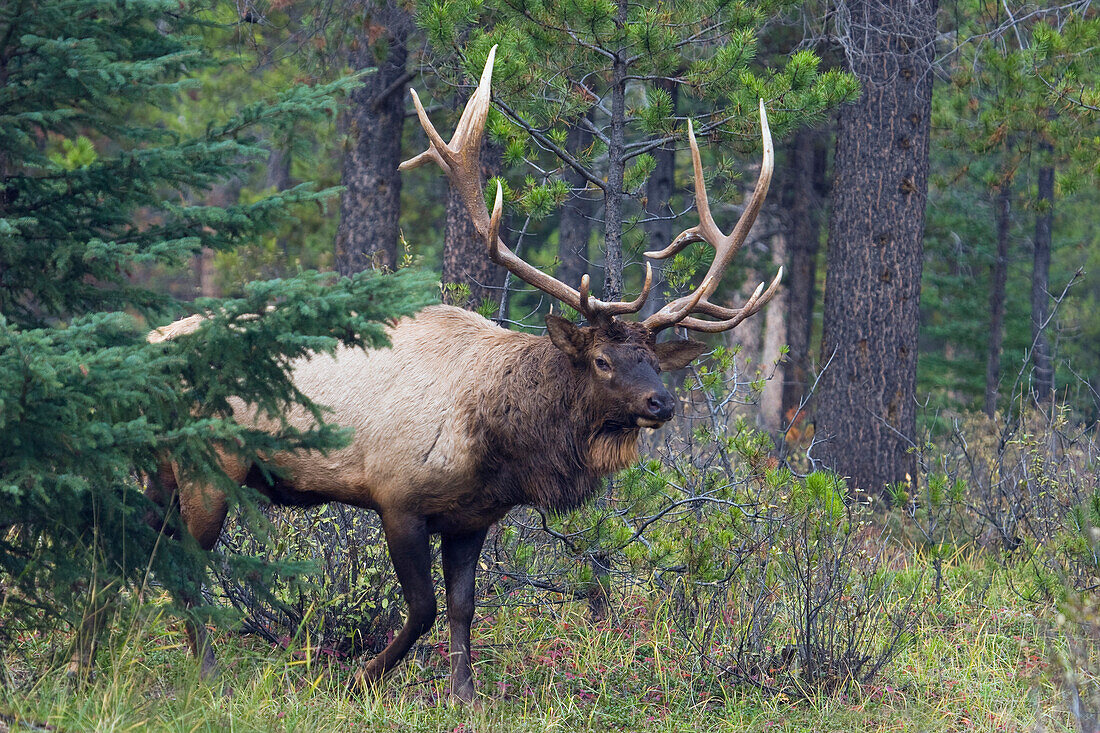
(979,662)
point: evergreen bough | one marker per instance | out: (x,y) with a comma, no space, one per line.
(91,190)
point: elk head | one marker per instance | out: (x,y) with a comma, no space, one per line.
(620,360)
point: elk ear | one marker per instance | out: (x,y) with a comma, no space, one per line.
(567,336)
(673,355)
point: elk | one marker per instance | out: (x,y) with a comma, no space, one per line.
(460,420)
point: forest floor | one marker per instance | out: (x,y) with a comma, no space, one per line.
(981,660)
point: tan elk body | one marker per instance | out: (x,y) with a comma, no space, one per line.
(461,420)
(420,410)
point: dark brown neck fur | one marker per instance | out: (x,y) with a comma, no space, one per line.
(542,441)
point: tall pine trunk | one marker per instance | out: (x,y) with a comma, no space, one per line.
(774,336)
(465,254)
(616,171)
(804,207)
(600,561)
(369,207)
(1040,279)
(866,410)
(998,279)
(278,177)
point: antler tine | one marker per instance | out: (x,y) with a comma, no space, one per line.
(635,305)
(752,306)
(472,122)
(702,203)
(436,145)
(594,307)
(460,159)
(736,238)
(586,303)
(725,248)
(492,238)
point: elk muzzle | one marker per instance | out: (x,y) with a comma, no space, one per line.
(657,410)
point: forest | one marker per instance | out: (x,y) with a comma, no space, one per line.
(819,474)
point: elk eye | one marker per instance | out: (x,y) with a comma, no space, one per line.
(602,364)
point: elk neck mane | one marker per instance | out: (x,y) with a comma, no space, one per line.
(541,433)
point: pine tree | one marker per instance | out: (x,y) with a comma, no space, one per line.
(369,206)
(1013,134)
(90,189)
(607,67)
(622,73)
(866,409)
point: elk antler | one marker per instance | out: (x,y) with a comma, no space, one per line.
(679,311)
(460,161)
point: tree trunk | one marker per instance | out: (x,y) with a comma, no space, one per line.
(867,403)
(613,195)
(1040,280)
(998,278)
(658,193)
(749,336)
(369,207)
(770,415)
(600,563)
(804,206)
(758,341)
(465,256)
(277,174)
(575,222)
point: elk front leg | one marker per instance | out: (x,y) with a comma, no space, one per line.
(199,640)
(460,554)
(203,510)
(407,539)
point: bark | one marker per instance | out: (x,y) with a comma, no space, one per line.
(804,206)
(658,192)
(866,410)
(465,257)
(598,599)
(369,207)
(770,416)
(278,169)
(749,336)
(998,278)
(613,195)
(1040,281)
(575,224)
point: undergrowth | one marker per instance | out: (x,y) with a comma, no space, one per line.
(983,659)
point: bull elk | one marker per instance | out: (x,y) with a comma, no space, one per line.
(460,420)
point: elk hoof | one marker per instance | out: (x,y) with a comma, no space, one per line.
(366,679)
(79,675)
(464,693)
(208,669)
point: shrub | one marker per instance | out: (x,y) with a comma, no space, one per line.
(344,600)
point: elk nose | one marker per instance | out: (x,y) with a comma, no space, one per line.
(660,405)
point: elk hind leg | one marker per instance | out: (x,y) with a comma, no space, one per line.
(407,539)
